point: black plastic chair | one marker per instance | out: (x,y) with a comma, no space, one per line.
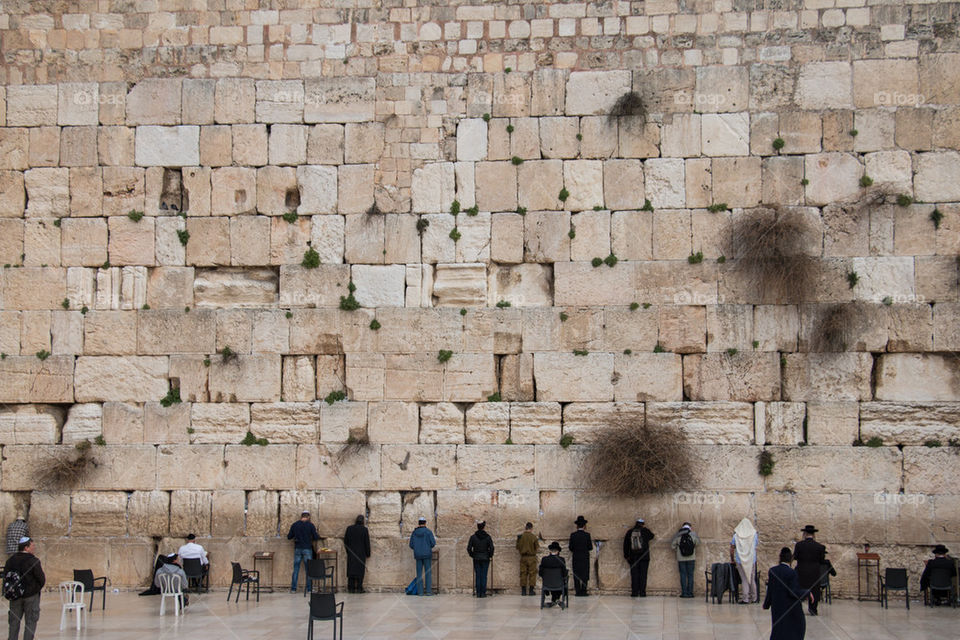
(324,606)
(318,571)
(242,577)
(826,570)
(193,569)
(894,580)
(552,580)
(941,582)
(85,577)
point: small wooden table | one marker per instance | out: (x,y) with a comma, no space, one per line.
(264,557)
(868,577)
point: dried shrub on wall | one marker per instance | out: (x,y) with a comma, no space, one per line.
(837,327)
(356,444)
(66,468)
(631,459)
(629,105)
(767,247)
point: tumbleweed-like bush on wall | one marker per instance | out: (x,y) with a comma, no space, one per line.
(628,458)
(66,468)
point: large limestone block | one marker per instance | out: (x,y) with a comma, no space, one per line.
(414,330)
(299,379)
(233,190)
(148,513)
(913,423)
(29,379)
(129,466)
(166,425)
(565,377)
(219,423)
(132,243)
(318,189)
(167,331)
(721,89)
(286,422)
(725,134)
(580,283)
(779,423)
(938,176)
(623,184)
(31,105)
(634,330)
(664,182)
(471,140)
(121,378)
(496,184)
(546,236)
(168,146)
(393,422)
(647,376)
(379,286)
(469,377)
(355,188)
(583,179)
(835,469)
(929,470)
(258,467)
(31,424)
(122,423)
(154,101)
(560,468)
(101,513)
(631,234)
(190,512)
(917,377)
(83,242)
(84,422)
(683,328)
(412,377)
(833,423)
(457,285)
(885,83)
(827,377)
(49,512)
(705,422)
(539,184)
(433,188)
(230,287)
(591,231)
(277,191)
(524,285)
(343,422)
(884,277)
(48,192)
(441,423)
(501,467)
(488,423)
(535,422)
(584,421)
(418,467)
(744,376)
(280,101)
(15,144)
(246,378)
(321,287)
(339,99)
(825,85)
(595,92)
(833,177)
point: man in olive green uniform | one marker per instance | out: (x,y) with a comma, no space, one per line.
(527,545)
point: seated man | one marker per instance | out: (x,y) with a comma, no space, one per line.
(939,564)
(172,566)
(192,550)
(554,561)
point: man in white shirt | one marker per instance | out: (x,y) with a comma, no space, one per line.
(192,550)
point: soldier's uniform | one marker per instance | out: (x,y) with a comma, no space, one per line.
(527,545)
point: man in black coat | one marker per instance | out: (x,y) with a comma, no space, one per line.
(580,546)
(784,598)
(26,606)
(939,564)
(554,561)
(356,542)
(636,551)
(480,548)
(810,555)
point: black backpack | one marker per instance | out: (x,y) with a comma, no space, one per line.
(686,545)
(13,587)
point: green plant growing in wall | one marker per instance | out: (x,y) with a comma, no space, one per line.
(335,396)
(227,354)
(874,442)
(311,259)
(349,302)
(422,224)
(563,316)
(135,215)
(43,354)
(718,207)
(444,355)
(473,211)
(634,306)
(184,236)
(566,441)
(455,234)
(695,258)
(731,351)
(455,207)
(486,117)
(522,211)
(517,160)
(596,262)
(250,440)
(291,216)
(509,128)
(494,397)
(936,217)
(503,304)
(563,195)
(778,144)
(580,352)
(647,205)
(172,398)
(904,200)
(865,181)
(765,463)
(610,260)
(658,348)
(852,279)
(66,303)
(374,325)
(573,231)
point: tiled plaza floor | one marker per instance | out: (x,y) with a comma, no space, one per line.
(503,617)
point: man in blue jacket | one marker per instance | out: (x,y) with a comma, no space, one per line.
(422,542)
(303,534)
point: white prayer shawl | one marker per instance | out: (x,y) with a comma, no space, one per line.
(745,539)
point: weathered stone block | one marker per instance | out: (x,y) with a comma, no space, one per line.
(745,377)
(937,176)
(570,378)
(725,134)
(286,422)
(423,467)
(916,377)
(664,182)
(524,285)
(246,378)
(580,283)
(535,422)
(827,376)
(121,378)
(168,146)
(31,105)
(164,332)
(48,192)
(343,99)
(393,422)
(496,184)
(825,85)
(834,469)
(132,242)
(647,376)
(495,466)
(595,92)
(441,423)
(379,286)
(705,422)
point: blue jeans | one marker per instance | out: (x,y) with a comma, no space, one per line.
(686,577)
(298,556)
(424,578)
(480,568)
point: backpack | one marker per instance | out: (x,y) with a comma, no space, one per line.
(686,545)
(638,544)
(13,586)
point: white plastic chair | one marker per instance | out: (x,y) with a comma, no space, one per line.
(71,598)
(171,586)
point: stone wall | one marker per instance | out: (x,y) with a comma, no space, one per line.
(188,190)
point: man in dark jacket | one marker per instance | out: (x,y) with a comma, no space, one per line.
(356,542)
(480,548)
(27,606)
(939,564)
(810,556)
(784,599)
(580,546)
(554,561)
(422,541)
(636,551)
(303,534)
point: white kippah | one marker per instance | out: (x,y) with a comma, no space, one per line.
(24,539)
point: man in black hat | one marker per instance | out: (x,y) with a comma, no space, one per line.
(939,563)
(580,546)
(810,555)
(480,548)
(554,561)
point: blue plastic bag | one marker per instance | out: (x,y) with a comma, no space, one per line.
(412,588)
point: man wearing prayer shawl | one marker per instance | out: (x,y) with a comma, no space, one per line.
(743,553)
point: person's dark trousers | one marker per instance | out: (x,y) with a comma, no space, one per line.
(27,609)
(638,577)
(579,586)
(355,584)
(480,568)
(816,599)
(686,578)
